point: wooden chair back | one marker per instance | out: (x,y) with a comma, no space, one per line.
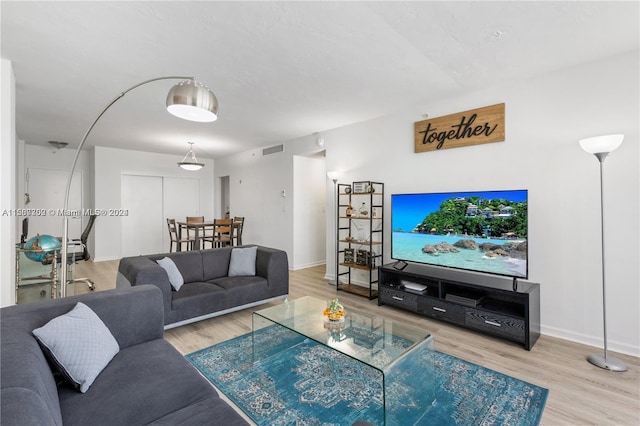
(174,238)
(222,230)
(238,225)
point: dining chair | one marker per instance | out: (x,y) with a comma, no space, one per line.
(238,225)
(174,239)
(222,229)
(203,232)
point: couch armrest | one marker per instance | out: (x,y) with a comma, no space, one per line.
(273,265)
(133,315)
(140,270)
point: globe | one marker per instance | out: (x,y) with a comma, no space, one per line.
(41,248)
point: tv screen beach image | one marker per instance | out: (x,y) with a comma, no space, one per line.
(484,231)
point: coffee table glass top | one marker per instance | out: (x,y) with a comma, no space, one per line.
(369,338)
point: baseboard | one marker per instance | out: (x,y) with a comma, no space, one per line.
(104,259)
(307,265)
(595,341)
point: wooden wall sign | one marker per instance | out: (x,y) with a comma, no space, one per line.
(474,127)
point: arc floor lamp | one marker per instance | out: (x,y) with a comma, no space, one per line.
(189,100)
(601,146)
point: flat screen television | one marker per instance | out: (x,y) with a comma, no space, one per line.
(483,231)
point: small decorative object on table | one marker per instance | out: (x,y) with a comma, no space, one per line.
(334,311)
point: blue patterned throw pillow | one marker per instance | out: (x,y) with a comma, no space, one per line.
(79,345)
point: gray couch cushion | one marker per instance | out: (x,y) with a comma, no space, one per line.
(141,384)
(195,299)
(211,411)
(243,290)
(215,263)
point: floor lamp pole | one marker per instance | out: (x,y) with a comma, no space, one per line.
(606,362)
(65,212)
(333,175)
(335,281)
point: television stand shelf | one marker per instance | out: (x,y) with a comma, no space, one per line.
(492,305)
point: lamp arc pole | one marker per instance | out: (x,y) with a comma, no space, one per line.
(65,212)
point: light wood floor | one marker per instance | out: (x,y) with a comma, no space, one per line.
(579,393)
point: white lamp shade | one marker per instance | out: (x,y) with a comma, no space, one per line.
(333,175)
(192,101)
(191,166)
(601,144)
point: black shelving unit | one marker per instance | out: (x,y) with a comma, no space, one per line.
(359,237)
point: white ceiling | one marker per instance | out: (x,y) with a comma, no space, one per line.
(280,70)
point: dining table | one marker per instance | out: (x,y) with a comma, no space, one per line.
(198,227)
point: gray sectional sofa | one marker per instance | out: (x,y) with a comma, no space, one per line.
(147,382)
(208,289)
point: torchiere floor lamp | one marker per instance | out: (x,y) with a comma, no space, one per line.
(334,175)
(601,146)
(189,100)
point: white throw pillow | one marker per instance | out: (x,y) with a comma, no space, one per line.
(79,344)
(175,277)
(243,261)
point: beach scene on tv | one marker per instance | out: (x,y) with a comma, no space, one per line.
(480,231)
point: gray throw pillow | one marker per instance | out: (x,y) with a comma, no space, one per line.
(175,277)
(243,261)
(79,345)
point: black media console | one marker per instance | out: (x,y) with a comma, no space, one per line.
(494,305)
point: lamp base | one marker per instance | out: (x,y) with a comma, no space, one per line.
(608,363)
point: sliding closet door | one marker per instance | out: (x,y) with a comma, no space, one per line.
(142,229)
(181,198)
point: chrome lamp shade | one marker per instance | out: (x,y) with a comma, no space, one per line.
(193,101)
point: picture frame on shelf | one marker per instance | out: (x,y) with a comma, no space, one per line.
(361,187)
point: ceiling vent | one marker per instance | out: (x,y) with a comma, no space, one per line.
(273,150)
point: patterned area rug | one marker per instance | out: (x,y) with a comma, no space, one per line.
(296,381)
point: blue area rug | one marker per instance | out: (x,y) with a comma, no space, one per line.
(296,381)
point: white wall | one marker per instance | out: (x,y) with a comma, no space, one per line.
(545,118)
(109,166)
(48,158)
(7,183)
(309,212)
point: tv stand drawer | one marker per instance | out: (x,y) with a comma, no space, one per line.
(401,299)
(440,309)
(495,324)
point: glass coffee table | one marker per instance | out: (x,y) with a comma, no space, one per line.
(388,347)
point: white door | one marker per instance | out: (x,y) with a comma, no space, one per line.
(46,188)
(144,227)
(181,198)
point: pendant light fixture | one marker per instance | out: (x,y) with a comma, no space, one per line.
(189,162)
